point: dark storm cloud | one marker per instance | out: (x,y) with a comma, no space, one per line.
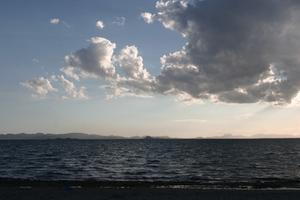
(238,51)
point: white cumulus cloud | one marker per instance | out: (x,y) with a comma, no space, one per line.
(100,24)
(39,86)
(54,21)
(95,60)
(132,63)
(148,17)
(71,90)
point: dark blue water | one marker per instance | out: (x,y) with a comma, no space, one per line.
(204,162)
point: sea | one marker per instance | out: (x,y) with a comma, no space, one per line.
(191,163)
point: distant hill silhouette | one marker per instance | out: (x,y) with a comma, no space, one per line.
(84,136)
(80,136)
(256,136)
(44,136)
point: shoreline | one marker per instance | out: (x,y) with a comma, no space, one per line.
(260,184)
(92,193)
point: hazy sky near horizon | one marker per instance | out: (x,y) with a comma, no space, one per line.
(180,68)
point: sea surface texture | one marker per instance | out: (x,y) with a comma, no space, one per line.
(272,163)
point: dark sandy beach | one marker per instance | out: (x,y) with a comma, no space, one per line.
(17,189)
(93,193)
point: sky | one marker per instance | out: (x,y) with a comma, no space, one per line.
(178,68)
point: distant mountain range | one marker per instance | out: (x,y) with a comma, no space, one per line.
(256,136)
(80,136)
(84,136)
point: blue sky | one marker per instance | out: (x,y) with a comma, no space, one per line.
(32,47)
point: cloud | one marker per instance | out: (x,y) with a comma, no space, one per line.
(71,72)
(71,90)
(75,73)
(54,21)
(40,86)
(119,21)
(236,52)
(99,60)
(148,17)
(35,60)
(130,87)
(135,79)
(132,63)
(115,90)
(94,61)
(99,24)
(295,101)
